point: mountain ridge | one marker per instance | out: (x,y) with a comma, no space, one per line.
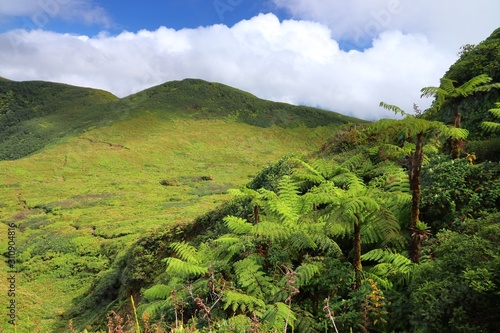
(35,114)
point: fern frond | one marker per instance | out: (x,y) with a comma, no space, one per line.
(185,251)
(356,162)
(301,240)
(477,83)
(154,309)
(496,111)
(391,264)
(429,91)
(238,301)
(306,272)
(272,231)
(252,278)
(394,108)
(238,225)
(230,245)
(306,172)
(490,126)
(456,132)
(448,86)
(182,268)
(276,315)
(383,226)
(157,292)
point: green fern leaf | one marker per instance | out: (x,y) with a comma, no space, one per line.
(185,251)
(238,225)
(236,300)
(306,272)
(252,278)
(277,314)
(157,292)
(182,268)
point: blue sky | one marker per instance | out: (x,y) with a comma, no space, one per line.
(133,15)
(339,55)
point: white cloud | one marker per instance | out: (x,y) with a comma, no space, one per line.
(292,61)
(447,23)
(37,13)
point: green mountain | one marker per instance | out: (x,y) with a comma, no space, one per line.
(36,114)
(85,175)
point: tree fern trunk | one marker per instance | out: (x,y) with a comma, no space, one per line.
(415,172)
(357,254)
(456,143)
(256,214)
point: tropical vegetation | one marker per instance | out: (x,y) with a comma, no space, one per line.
(234,214)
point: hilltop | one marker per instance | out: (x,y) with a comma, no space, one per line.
(35,114)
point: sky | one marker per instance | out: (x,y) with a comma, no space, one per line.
(340,55)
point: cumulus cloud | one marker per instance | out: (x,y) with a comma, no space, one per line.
(37,13)
(292,61)
(447,23)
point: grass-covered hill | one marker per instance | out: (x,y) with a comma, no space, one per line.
(85,175)
(34,114)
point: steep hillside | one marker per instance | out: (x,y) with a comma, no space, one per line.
(35,114)
(475,60)
(122,170)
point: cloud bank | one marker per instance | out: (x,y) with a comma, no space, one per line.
(297,61)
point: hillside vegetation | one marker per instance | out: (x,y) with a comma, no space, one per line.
(121,169)
(383,229)
(199,208)
(35,114)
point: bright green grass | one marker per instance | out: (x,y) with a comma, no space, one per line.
(109,178)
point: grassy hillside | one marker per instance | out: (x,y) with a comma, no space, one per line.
(35,114)
(125,168)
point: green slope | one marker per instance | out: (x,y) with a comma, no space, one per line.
(35,114)
(483,58)
(127,167)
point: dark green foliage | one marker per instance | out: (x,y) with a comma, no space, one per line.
(474,60)
(459,290)
(455,190)
(344,139)
(485,150)
(270,176)
(34,114)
